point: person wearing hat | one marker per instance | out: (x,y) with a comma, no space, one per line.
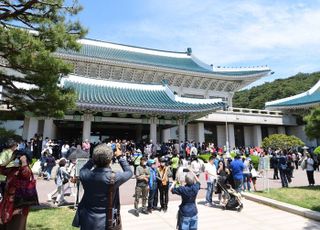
(136,160)
(153,186)
(141,190)
(163,174)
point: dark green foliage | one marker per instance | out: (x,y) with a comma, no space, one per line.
(256,97)
(281,141)
(313,123)
(28,56)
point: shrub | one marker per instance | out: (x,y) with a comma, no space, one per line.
(317,151)
(281,141)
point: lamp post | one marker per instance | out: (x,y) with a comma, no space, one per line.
(227,130)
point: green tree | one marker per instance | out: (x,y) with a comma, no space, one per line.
(313,123)
(281,141)
(256,97)
(27,54)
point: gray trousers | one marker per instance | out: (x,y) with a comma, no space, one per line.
(141,192)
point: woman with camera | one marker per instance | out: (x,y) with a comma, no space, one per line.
(188,212)
(14,207)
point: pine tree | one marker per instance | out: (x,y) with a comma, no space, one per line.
(30,34)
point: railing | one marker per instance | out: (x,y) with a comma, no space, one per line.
(253,111)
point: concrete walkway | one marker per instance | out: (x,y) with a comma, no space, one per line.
(253,216)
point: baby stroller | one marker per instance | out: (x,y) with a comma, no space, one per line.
(232,199)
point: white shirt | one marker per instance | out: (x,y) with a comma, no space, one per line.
(212,172)
(64,148)
(310,163)
(196,166)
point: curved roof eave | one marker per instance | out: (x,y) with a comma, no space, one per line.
(277,103)
(216,75)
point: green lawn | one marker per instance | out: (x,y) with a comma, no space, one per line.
(50,219)
(306,197)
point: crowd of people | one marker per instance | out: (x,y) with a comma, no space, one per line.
(158,169)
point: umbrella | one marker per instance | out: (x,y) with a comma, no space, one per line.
(78,153)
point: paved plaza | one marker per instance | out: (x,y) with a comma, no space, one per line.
(253,216)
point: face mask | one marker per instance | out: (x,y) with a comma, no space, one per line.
(144,164)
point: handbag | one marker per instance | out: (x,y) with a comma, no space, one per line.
(64,179)
(113,214)
(26,194)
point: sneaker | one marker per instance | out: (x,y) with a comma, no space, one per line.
(208,204)
(145,212)
(136,213)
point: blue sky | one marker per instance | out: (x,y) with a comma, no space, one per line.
(285,35)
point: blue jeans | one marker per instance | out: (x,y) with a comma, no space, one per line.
(188,223)
(246,181)
(152,202)
(48,171)
(210,189)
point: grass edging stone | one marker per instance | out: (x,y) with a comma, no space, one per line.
(314,215)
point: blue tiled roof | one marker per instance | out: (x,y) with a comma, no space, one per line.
(305,100)
(137,58)
(186,63)
(139,99)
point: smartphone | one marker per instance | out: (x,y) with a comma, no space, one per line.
(186,170)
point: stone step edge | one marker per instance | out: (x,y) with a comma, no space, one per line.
(314,215)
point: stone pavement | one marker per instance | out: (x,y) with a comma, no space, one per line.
(253,216)
(127,189)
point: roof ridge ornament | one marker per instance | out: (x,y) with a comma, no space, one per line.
(189,51)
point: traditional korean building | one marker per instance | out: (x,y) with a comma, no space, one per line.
(299,104)
(138,93)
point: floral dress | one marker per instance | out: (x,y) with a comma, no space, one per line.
(14,176)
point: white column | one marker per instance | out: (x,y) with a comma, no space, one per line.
(191,132)
(153,129)
(30,127)
(230,96)
(49,129)
(182,135)
(221,135)
(247,130)
(166,135)
(257,135)
(281,130)
(86,131)
(200,132)
(232,142)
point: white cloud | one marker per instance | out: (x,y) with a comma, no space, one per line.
(231,32)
